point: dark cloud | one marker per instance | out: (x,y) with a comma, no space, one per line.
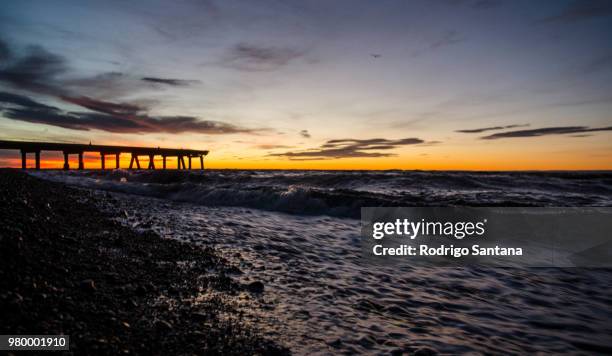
(73,121)
(305,134)
(36,71)
(250,57)
(350,148)
(178,124)
(545,131)
(579,10)
(104,106)
(20,100)
(5,52)
(42,72)
(492,128)
(170,81)
(108,116)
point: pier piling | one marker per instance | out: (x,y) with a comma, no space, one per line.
(66,165)
(37,159)
(23,159)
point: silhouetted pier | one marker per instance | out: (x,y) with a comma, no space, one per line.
(104,151)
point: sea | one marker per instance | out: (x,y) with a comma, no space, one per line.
(298,232)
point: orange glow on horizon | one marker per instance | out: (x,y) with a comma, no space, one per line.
(92,161)
(551,153)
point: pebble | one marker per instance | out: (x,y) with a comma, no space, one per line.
(88,285)
(255,287)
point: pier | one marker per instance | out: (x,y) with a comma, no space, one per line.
(67,149)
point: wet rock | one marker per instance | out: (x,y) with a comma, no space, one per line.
(336,343)
(199,316)
(163,325)
(141,290)
(255,287)
(17,299)
(131,303)
(366,342)
(88,285)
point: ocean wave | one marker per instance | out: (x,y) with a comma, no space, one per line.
(343,193)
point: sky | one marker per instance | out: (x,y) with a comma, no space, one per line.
(421,84)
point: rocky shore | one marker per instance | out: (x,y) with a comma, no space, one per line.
(68,268)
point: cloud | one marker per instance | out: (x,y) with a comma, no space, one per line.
(73,121)
(36,71)
(448,38)
(5,52)
(108,116)
(23,101)
(305,134)
(430,143)
(271,147)
(492,128)
(42,72)
(104,106)
(170,81)
(249,57)
(562,130)
(579,10)
(350,148)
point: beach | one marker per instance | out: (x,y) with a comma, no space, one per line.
(306,286)
(68,268)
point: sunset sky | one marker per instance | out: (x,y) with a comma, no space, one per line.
(423,84)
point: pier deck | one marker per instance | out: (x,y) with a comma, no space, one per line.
(26,147)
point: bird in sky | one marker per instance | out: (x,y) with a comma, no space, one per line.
(375,55)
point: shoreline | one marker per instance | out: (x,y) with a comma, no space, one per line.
(68,268)
(317,297)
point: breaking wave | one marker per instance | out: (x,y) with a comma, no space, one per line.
(343,193)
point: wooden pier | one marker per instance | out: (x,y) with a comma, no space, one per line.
(26,147)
